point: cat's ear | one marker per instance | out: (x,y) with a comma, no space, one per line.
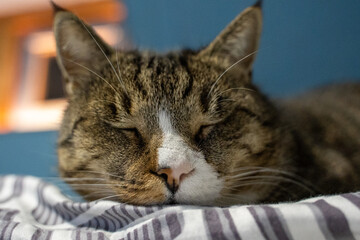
(79,50)
(239,40)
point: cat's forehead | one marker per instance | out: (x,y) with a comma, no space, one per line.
(171,78)
(159,66)
(176,76)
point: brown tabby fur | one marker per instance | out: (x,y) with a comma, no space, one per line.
(264,151)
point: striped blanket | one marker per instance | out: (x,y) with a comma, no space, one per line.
(33,209)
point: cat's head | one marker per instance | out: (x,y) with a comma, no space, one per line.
(146,128)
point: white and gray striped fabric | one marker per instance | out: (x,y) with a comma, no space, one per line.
(32,209)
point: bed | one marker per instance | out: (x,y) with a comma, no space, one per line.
(33,209)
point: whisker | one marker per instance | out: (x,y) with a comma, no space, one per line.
(227,100)
(112,196)
(93,191)
(80,65)
(250,183)
(247,173)
(259,182)
(102,193)
(231,89)
(234,64)
(83,179)
(274,170)
(119,44)
(112,66)
(231,197)
(107,101)
(244,200)
(264,168)
(234,199)
(92,184)
(95,172)
(117,63)
(280,178)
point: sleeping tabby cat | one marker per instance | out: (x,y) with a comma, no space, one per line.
(190,127)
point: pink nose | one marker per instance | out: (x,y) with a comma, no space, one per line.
(173,176)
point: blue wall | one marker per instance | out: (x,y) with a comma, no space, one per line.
(304,44)
(28,153)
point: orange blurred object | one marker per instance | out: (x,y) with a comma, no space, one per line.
(22,101)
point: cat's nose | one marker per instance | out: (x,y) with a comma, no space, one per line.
(174,176)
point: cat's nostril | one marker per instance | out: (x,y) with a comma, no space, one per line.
(164,176)
(174,176)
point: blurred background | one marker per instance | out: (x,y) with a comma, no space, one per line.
(304,44)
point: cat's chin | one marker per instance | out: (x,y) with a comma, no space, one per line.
(172,201)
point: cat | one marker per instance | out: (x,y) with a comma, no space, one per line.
(190,127)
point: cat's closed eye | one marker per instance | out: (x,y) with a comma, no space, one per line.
(131,131)
(203,132)
(113,121)
(128,131)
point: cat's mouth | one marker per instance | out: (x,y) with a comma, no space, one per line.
(172,201)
